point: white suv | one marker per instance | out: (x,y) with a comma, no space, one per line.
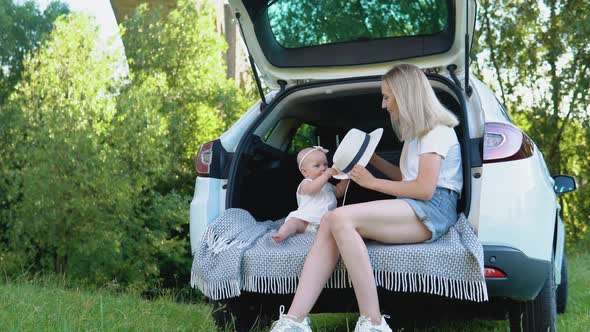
(323,61)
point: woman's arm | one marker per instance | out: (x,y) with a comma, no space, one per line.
(315,185)
(422,187)
(340,188)
(390,170)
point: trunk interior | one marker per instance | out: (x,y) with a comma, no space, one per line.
(267,176)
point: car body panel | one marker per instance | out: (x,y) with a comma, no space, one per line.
(504,183)
(231,137)
(475,110)
(559,249)
(207,204)
(518,211)
(488,103)
(474,208)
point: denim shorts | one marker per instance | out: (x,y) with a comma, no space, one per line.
(439,213)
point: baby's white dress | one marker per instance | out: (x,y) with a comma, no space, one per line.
(311,208)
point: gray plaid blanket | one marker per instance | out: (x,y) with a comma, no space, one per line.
(248,259)
(217,262)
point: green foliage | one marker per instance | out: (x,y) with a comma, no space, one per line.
(23,28)
(537,58)
(140,131)
(95,172)
(72,193)
(166,247)
(177,81)
(304,138)
(184,49)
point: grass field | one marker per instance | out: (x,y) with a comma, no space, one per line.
(43,305)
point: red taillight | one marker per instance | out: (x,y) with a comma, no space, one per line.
(503,142)
(490,272)
(204,158)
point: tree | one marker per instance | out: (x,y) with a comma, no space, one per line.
(154,246)
(179,53)
(92,164)
(539,57)
(72,195)
(185,50)
(23,28)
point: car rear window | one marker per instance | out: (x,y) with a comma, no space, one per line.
(303,23)
(303,138)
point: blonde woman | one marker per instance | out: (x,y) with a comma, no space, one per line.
(427,184)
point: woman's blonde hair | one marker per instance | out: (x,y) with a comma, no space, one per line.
(419,109)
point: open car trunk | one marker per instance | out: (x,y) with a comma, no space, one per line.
(264,177)
(293,41)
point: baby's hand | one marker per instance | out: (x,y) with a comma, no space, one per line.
(331,171)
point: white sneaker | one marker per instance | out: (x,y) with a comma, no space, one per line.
(288,323)
(364,324)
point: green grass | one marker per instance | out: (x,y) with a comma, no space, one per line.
(48,306)
(577,316)
(43,305)
(341,322)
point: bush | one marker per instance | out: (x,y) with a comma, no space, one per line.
(97,176)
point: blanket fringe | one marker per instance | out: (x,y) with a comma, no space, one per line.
(216,290)
(414,282)
(395,281)
(270,285)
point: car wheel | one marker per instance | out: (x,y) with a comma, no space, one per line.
(539,314)
(237,315)
(562,288)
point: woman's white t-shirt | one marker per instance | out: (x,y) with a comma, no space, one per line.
(443,141)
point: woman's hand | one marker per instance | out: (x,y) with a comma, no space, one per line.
(360,175)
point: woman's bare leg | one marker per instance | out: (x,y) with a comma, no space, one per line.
(319,265)
(388,221)
(291,226)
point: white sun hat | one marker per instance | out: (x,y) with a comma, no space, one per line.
(356,148)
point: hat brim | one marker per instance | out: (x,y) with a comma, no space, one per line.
(375,137)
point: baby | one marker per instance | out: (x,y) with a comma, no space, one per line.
(315,196)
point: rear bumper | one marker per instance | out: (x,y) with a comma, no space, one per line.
(525,276)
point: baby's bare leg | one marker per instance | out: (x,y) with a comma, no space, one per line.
(293,225)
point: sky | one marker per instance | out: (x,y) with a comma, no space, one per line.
(100,9)
(105,18)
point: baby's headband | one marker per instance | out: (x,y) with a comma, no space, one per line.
(317,147)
